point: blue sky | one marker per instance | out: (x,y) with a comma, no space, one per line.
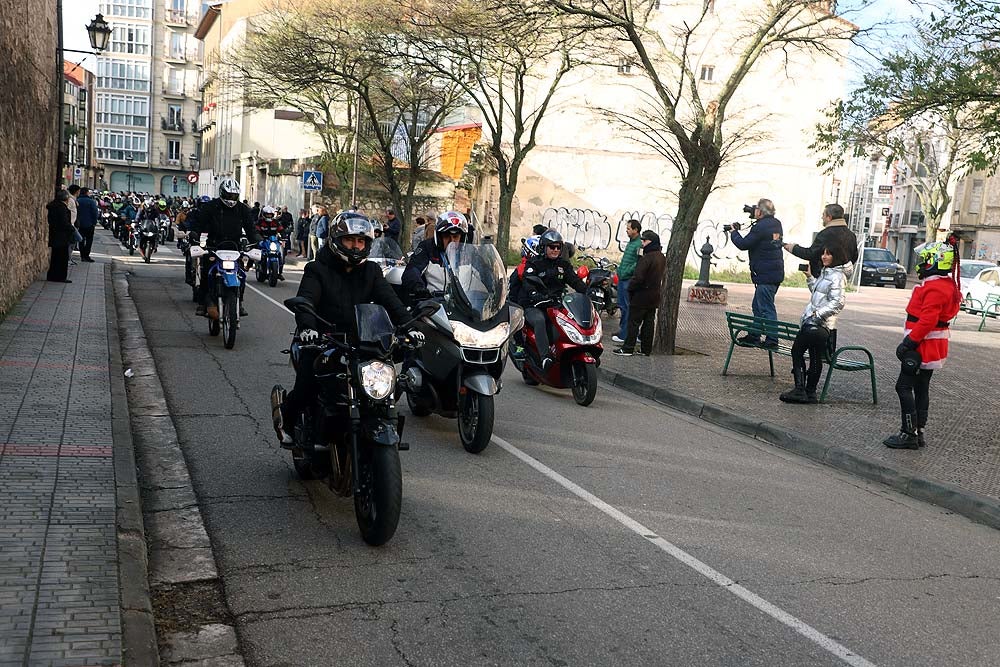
(76,15)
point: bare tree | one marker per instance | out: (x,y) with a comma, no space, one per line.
(689,121)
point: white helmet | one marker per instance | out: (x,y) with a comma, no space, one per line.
(267,213)
(229,191)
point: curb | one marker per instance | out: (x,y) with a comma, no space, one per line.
(138,627)
(972,505)
(180,552)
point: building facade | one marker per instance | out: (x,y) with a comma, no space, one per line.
(77,131)
(975,216)
(144,132)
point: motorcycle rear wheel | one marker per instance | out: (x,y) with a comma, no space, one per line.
(377,508)
(475,421)
(585,383)
(230,312)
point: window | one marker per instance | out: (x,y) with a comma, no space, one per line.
(138,9)
(130,38)
(707,72)
(976,196)
(122,110)
(173,115)
(122,74)
(117,144)
(174,152)
(175,80)
(176,45)
(624,65)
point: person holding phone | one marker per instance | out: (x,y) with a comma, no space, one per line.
(818,322)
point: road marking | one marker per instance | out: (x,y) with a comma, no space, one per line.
(804,629)
(277,303)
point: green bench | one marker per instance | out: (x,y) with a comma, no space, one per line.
(988,307)
(740,324)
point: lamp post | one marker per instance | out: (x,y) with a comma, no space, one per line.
(128,159)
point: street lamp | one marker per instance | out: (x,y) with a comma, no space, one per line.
(128,159)
(99,33)
(193,161)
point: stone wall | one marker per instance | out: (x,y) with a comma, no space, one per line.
(29,101)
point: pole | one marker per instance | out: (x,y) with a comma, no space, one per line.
(357,149)
(60,157)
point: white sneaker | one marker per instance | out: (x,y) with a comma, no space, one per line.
(616,339)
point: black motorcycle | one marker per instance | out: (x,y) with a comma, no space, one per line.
(457,372)
(602,284)
(351,432)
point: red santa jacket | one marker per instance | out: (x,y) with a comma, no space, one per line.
(933,304)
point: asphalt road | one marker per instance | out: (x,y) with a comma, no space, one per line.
(619,534)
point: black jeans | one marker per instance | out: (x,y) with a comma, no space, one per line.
(914,393)
(536,319)
(644,319)
(87,243)
(814,341)
(58,264)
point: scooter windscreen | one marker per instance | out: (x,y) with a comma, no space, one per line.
(384,248)
(475,281)
(581,308)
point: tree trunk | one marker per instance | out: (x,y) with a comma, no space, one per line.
(695,188)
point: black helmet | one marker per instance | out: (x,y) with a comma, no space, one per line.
(548,238)
(351,224)
(450,222)
(229,191)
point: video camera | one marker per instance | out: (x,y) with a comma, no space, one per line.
(749,209)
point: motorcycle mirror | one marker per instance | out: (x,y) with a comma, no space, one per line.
(300,304)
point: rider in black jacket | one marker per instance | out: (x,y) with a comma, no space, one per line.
(222,220)
(339,279)
(554,273)
(424,272)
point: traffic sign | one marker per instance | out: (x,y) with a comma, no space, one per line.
(192,177)
(312,180)
(77,172)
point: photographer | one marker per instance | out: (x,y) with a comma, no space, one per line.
(835,235)
(767,266)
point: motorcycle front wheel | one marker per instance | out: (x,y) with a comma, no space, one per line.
(131,248)
(230,312)
(584,383)
(377,504)
(272,276)
(475,421)
(146,253)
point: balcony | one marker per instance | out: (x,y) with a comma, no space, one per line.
(174,90)
(167,162)
(190,55)
(175,125)
(177,17)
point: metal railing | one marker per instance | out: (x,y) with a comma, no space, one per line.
(176,125)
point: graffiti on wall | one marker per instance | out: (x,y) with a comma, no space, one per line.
(592,230)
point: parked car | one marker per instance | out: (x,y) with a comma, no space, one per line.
(986,282)
(879,267)
(968,270)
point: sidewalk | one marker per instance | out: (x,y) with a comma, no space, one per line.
(64,508)
(962,459)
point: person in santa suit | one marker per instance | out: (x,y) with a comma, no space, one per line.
(933,304)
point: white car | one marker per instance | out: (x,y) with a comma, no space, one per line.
(969,269)
(985,283)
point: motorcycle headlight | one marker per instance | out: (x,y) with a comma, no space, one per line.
(516,318)
(579,338)
(466,336)
(273,246)
(378,379)
(228,265)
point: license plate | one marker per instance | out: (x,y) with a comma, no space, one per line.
(887,278)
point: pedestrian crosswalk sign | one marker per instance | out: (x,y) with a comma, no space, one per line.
(312,180)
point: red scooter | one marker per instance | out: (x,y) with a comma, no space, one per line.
(575,331)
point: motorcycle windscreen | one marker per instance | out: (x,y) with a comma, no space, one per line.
(580,307)
(374,325)
(385,248)
(476,281)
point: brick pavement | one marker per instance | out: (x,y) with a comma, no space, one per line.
(963,438)
(59,579)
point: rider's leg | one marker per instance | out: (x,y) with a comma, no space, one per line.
(535,318)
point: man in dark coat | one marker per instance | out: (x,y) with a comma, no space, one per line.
(61,232)
(835,235)
(87,214)
(644,295)
(767,266)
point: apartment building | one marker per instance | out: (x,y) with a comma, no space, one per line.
(975,216)
(144,130)
(78,88)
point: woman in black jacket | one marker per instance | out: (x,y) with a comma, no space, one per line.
(60,236)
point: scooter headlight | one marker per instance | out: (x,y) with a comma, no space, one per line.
(273,246)
(576,336)
(378,379)
(228,265)
(466,336)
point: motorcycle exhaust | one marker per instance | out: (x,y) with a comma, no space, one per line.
(277,398)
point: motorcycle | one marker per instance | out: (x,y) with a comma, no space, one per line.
(190,264)
(166,229)
(269,267)
(351,432)
(457,372)
(130,236)
(148,239)
(602,283)
(106,217)
(387,254)
(577,342)
(226,277)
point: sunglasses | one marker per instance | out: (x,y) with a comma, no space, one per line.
(554,246)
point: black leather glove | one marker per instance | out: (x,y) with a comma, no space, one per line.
(908,345)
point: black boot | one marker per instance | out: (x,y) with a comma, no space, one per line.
(798,394)
(921,423)
(907,436)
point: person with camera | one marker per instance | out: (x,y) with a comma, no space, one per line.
(818,322)
(767,266)
(835,234)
